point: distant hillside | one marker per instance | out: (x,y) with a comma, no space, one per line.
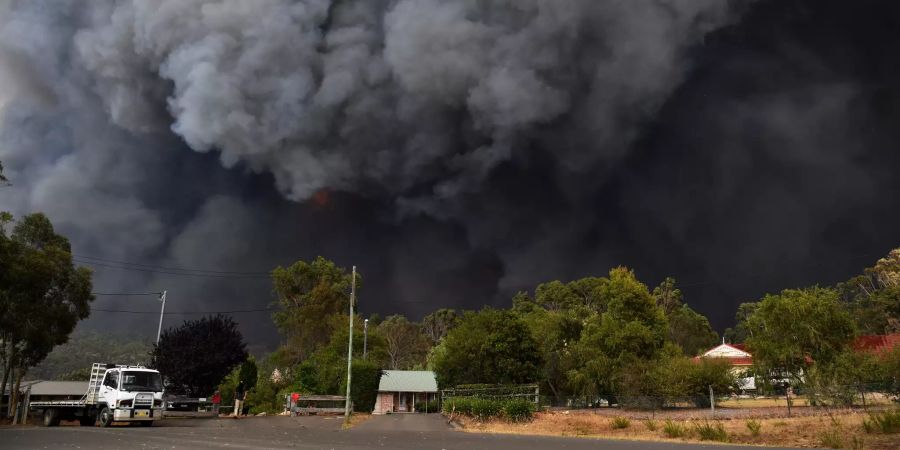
(73,359)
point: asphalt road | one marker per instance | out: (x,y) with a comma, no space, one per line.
(392,432)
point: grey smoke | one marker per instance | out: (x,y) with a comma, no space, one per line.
(375,97)
(467,148)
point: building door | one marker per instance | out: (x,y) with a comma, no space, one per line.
(403,401)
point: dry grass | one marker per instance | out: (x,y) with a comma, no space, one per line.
(762,402)
(807,431)
(356,419)
(798,402)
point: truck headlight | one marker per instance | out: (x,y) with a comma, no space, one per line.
(125,403)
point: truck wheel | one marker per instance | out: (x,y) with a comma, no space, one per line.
(51,417)
(148,423)
(106,417)
(88,420)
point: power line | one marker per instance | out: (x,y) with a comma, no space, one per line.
(167,272)
(175,313)
(126,294)
(178,269)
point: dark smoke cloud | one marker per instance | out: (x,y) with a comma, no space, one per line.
(456,151)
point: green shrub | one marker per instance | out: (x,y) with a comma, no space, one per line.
(515,410)
(883,422)
(869,426)
(754,426)
(831,438)
(674,429)
(708,372)
(619,423)
(518,410)
(431,406)
(364,388)
(711,431)
(458,405)
(485,409)
(651,425)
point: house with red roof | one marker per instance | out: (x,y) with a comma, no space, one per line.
(877,344)
(741,362)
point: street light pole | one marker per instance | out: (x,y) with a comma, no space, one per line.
(365,337)
(350,349)
(162,311)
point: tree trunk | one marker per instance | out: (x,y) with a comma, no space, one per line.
(14,401)
(6,369)
(553,389)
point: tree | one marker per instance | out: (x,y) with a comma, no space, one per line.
(43,294)
(407,345)
(554,332)
(248,373)
(690,330)
(874,297)
(841,381)
(489,346)
(687,328)
(87,347)
(2,178)
(364,388)
(740,332)
(437,324)
(633,328)
(324,370)
(194,357)
(309,295)
(585,295)
(667,296)
(791,330)
(82,374)
(888,372)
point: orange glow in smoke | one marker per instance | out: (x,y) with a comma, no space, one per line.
(321,198)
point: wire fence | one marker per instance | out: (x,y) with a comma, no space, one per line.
(777,400)
(530,392)
(780,400)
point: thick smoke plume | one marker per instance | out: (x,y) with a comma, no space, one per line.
(456,150)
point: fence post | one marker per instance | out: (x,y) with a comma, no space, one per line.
(789,394)
(712,401)
(537,397)
(862,392)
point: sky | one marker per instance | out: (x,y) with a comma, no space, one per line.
(455,151)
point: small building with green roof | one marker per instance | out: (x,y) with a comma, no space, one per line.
(399,391)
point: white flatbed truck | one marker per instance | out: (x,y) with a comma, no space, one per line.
(115,393)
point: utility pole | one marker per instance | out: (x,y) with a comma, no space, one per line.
(365,338)
(162,298)
(350,349)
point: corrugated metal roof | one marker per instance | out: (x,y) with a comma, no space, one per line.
(73,388)
(11,385)
(877,343)
(407,381)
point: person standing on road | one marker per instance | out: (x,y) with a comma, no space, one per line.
(239,392)
(216,401)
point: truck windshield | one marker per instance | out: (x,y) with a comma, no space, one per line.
(141,381)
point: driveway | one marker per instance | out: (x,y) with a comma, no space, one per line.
(411,432)
(411,423)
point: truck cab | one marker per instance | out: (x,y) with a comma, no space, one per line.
(129,394)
